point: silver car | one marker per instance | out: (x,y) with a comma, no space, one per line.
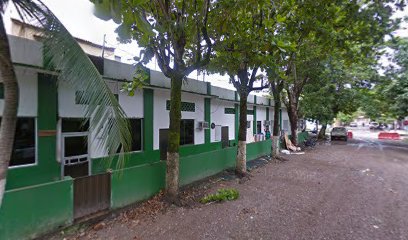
(338,133)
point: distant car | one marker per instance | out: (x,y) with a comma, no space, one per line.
(353,124)
(338,133)
(374,125)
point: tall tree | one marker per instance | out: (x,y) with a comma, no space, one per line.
(333,90)
(74,67)
(396,91)
(176,34)
(244,40)
(324,27)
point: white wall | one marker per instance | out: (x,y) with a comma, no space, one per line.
(190,85)
(118,70)
(66,102)
(260,113)
(262,100)
(26,51)
(161,115)
(223,93)
(28,96)
(285,117)
(250,131)
(132,105)
(218,117)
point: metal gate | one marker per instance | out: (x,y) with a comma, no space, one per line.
(91,194)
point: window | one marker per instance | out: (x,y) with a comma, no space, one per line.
(136,135)
(185,106)
(74,125)
(229,110)
(187,131)
(136,131)
(259,127)
(76,143)
(24,143)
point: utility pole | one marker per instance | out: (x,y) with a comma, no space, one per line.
(103,45)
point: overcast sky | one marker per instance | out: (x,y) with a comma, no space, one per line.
(78,18)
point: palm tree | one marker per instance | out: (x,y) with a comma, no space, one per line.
(73,67)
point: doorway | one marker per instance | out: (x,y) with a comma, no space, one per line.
(74,148)
(224,137)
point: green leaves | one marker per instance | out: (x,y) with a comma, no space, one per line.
(221,196)
(140,79)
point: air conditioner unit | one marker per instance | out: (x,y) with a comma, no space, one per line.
(203,125)
(266,123)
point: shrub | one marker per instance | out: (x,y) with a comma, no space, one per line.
(221,195)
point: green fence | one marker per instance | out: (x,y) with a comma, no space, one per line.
(136,183)
(31,211)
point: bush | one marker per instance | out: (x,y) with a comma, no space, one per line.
(221,195)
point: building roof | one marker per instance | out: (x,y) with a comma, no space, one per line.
(80,40)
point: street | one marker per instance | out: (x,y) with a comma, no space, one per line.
(339,190)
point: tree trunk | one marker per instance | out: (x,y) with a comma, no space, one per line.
(241,153)
(322,132)
(276,125)
(9,118)
(293,119)
(172,172)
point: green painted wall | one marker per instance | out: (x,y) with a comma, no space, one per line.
(199,166)
(148,119)
(28,212)
(133,159)
(302,137)
(207,118)
(47,168)
(137,183)
(258,149)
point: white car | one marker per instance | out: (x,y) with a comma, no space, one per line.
(353,124)
(338,133)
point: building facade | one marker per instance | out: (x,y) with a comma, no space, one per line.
(52,151)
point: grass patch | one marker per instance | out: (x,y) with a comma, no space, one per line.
(221,196)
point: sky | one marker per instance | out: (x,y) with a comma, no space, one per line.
(77,16)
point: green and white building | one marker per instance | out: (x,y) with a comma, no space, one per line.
(51,160)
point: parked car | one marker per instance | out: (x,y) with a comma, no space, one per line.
(339,133)
(374,125)
(353,124)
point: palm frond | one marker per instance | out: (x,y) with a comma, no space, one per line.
(106,117)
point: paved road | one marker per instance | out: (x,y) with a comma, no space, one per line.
(354,190)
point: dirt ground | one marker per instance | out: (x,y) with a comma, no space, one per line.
(357,190)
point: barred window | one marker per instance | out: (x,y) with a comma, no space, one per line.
(24,142)
(229,110)
(185,106)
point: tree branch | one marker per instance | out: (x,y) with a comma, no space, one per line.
(202,62)
(253,76)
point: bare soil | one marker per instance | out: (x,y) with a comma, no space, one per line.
(357,190)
